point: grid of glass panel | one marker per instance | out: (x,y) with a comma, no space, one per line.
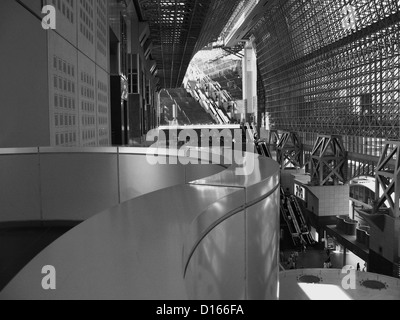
(328,70)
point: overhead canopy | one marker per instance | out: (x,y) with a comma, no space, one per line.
(179,29)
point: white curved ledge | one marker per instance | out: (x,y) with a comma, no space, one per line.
(140,248)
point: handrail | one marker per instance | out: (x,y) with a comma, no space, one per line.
(296,225)
(54,183)
(296,204)
(293,234)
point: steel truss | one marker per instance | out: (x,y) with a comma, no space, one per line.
(289,151)
(328,161)
(273,138)
(361,169)
(388,180)
(355,167)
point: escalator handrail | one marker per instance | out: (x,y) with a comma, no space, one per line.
(285,217)
(300,212)
(295,222)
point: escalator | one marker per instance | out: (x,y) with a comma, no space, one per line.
(211,97)
(208,105)
(262,148)
(305,230)
(289,221)
(294,218)
(190,107)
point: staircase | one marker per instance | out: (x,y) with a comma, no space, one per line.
(167,103)
(209,93)
(190,111)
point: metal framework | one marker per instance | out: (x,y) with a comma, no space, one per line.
(179,29)
(328,161)
(356,166)
(360,169)
(323,73)
(388,180)
(273,138)
(289,151)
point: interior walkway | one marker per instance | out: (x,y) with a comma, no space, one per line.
(314,258)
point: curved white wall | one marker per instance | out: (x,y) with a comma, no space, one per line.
(213,238)
(50,184)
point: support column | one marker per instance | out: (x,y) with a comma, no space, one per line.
(384,220)
(273,139)
(175,115)
(328,161)
(290,151)
(388,180)
(250,84)
(160,111)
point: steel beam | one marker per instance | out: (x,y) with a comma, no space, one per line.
(388,180)
(289,151)
(328,161)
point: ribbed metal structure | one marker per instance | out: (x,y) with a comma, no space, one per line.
(332,67)
(180,28)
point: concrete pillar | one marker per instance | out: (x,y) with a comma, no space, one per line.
(174,112)
(250,83)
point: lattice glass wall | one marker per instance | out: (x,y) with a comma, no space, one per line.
(324,72)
